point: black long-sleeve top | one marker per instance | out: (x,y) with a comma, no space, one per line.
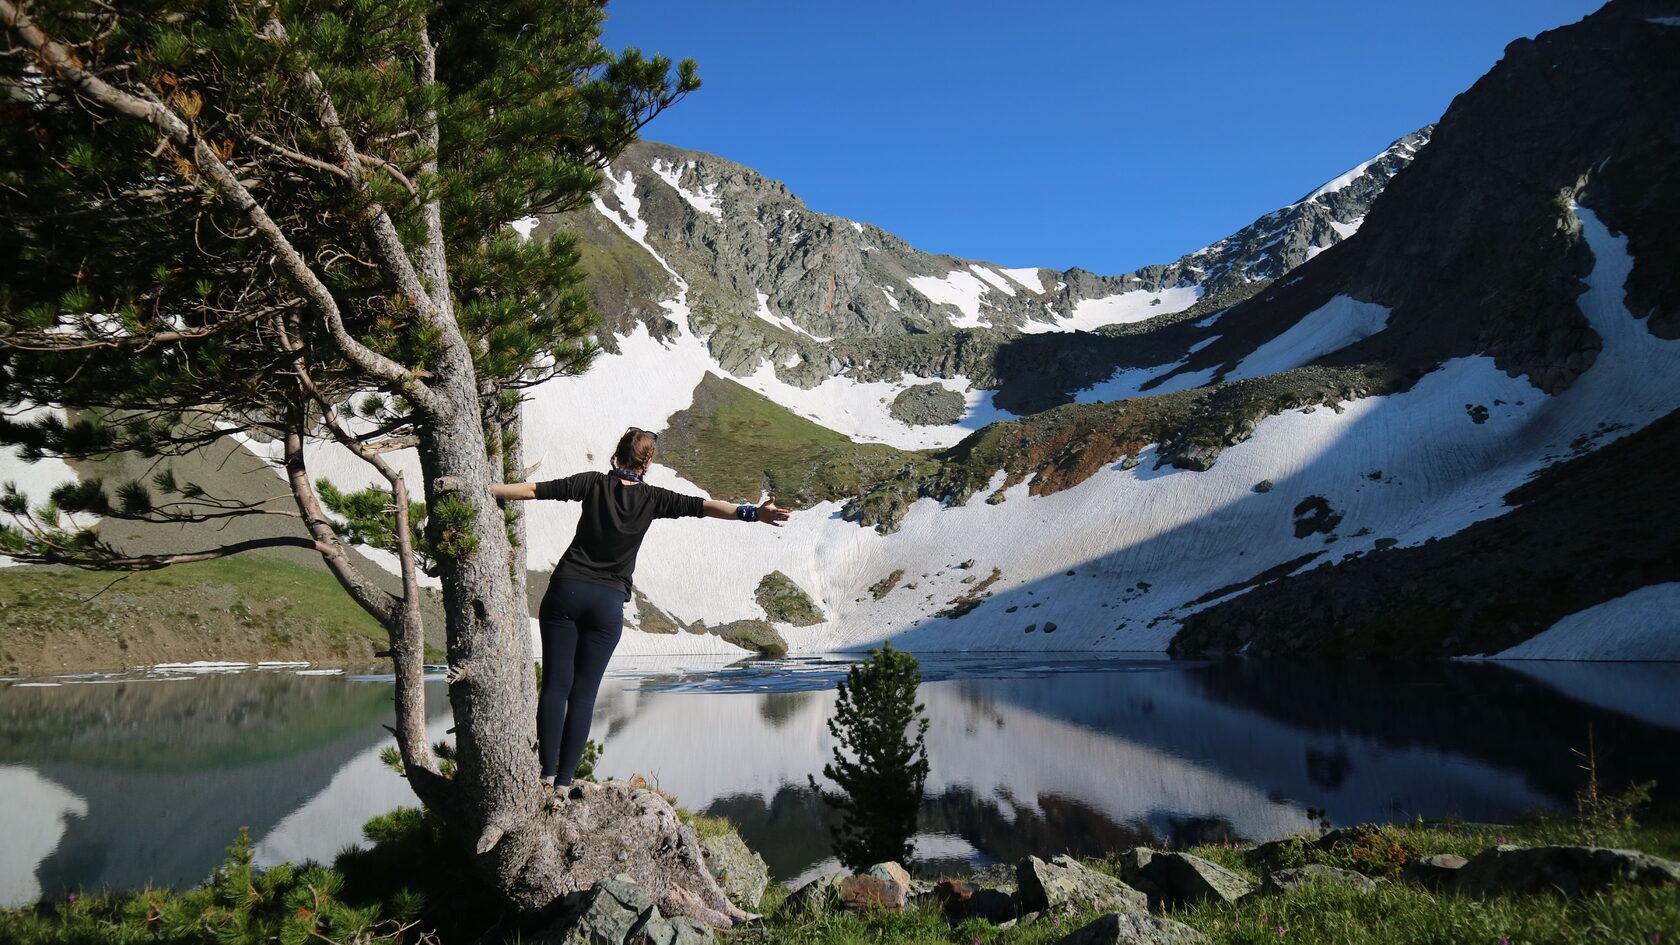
(616,516)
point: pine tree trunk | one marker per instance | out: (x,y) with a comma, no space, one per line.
(531,849)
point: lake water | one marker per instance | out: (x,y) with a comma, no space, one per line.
(124,781)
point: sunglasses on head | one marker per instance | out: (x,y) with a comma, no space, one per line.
(648,432)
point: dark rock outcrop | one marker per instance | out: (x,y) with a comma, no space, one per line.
(1573,871)
(1134,928)
(1065,883)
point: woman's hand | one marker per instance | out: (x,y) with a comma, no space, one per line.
(769,514)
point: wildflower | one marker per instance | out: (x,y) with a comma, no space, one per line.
(1656,937)
(1281,930)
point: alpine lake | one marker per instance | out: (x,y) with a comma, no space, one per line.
(121,781)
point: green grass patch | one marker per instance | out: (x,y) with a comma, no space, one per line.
(1398,914)
(735,442)
(244,591)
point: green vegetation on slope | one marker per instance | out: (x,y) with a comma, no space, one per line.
(243,608)
(737,443)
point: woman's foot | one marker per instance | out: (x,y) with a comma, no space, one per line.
(552,795)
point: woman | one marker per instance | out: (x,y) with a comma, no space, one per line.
(582,613)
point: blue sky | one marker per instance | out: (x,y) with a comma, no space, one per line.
(1103,135)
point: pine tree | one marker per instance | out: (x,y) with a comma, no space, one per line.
(879,768)
(289,222)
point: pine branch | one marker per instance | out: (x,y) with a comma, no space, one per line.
(392,254)
(103,558)
(60,63)
(378,602)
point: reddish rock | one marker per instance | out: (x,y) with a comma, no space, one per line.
(859,894)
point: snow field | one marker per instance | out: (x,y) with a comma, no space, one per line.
(1124,308)
(1641,625)
(1331,327)
(704,200)
(1031,279)
(961,290)
(780,321)
(1436,472)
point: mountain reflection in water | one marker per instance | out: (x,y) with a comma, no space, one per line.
(147,780)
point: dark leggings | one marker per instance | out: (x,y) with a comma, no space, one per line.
(581,623)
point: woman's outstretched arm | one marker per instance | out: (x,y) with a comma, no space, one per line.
(514,490)
(767,513)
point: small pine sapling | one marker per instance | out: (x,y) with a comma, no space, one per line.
(879,766)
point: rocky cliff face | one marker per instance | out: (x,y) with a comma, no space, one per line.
(1475,249)
(769,282)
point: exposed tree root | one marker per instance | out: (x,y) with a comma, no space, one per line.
(601,830)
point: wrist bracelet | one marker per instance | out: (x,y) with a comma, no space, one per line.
(746,513)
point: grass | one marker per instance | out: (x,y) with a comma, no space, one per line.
(412,874)
(735,442)
(1396,914)
(246,607)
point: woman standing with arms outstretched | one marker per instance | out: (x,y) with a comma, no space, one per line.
(582,613)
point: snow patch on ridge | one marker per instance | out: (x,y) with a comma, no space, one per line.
(780,321)
(1123,308)
(1128,382)
(1346,230)
(1342,180)
(1031,279)
(994,279)
(959,289)
(704,200)
(524,226)
(1331,327)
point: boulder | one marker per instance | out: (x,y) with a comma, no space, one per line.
(678,931)
(927,404)
(1437,872)
(1184,879)
(1132,864)
(863,893)
(1134,928)
(786,602)
(818,895)
(1279,882)
(959,901)
(1000,876)
(1277,853)
(616,911)
(1574,871)
(739,870)
(1064,883)
(892,871)
(755,635)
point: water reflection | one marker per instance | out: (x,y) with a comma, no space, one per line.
(141,781)
(163,772)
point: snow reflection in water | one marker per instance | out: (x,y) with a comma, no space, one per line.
(124,784)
